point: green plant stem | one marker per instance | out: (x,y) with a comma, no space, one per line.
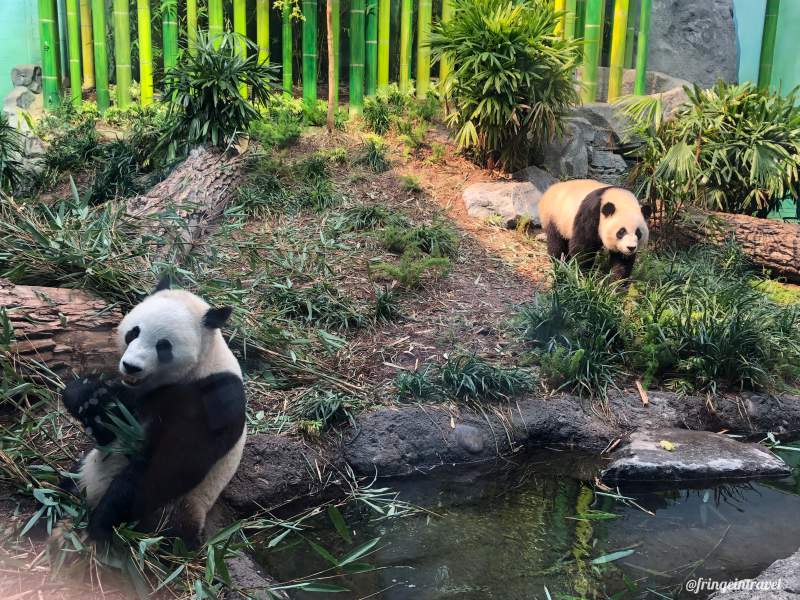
(591,49)
(191,25)
(569,19)
(768,43)
(356,56)
(100,56)
(617,59)
(640,86)
(122,51)
(74,35)
(48,37)
(407,8)
(371,80)
(384,33)
(262,29)
(286,47)
(169,16)
(310,52)
(560,6)
(87,47)
(629,40)
(580,17)
(424,48)
(215,19)
(445,66)
(240,28)
(145,52)
(336,8)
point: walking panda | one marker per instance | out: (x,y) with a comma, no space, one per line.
(583,216)
(184,385)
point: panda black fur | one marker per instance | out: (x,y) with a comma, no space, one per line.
(583,216)
(182,382)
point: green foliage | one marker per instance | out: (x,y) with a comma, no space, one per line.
(731,148)
(319,304)
(436,239)
(117,172)
(204,93)
(364,217)
(464,377)
(410,183)
(413,269)
(377,114)
(412,135)
(11,147)
(387,306)
(320,409)
(373,154)
(512,80)
(264,194)
(72,148)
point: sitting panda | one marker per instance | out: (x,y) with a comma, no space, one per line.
(184,386)
(583,216)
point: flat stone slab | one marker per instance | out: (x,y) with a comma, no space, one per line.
(685,455)
(510,201)
(780,581)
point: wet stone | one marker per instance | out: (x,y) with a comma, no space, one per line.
(470,438)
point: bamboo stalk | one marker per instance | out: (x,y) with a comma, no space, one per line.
(356,56)
(286,47)
(310,52)
(640,86)
(145,51)
(384,33)
(100,56)
(48,37)
(445,66)
(169,23)
(580,18)
(262,30)
(215,18)
(87,48)
(121,22)
(74,39)
(768,44)
(617,58)
(331,117)
(560,7)
(424,48)
(371,48)
(335,18)
(591,49)
(405,45)
(629,39)
(191,25)
(569,19)
(240,28)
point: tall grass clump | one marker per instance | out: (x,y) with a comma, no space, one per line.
(11,147)
(511,80)
(374,154)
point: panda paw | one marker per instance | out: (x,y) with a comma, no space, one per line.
(85,399)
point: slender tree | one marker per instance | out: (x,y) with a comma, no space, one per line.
(405,45)
(74,39)
(591,49)
(286,47)
(48,37)
(356,56)
(215,18)
(122,51)
(384,33)
(560,6)
(145,51)
(310,52)
(262,30)
(371,81)
(240,28)
(617,58)
(768,43)
(87,47)
(169,23)
(569,19)
(424,48)
(331,66)
(191,25)
(640,86)
(336,7)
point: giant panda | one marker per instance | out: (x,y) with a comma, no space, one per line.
(583,216)
(184,386)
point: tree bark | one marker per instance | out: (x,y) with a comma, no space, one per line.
(769,243)
(62,328)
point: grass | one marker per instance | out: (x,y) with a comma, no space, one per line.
(412,270)
(437,239)
(366,217)
(410,183)
(374,155)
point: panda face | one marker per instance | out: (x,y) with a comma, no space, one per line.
(623,222)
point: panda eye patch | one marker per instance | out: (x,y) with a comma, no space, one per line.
(638,233)
(164,350)
(132,335)
(621,233)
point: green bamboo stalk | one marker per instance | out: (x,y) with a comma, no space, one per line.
(240,28)
(569,19)
(372,48)
(356,56)
(100,55)
(405,45)
(332,101)
(617,57)
(768,43)
(629,39)
(74,38)
(48,37)
(191,25)
(286,47)
(87,48)
(424,48)
(215,18)
(121,22)
(580,18)
(336,8)
(169,22)
(310,52)
(591,49)
(384,33)
(262,30)
(145,51)
(560,6)
(640,86)
(445,67)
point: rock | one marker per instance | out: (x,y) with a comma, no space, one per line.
(779,581)
(566,156)
(540,178)
(34,147)
(470,438)
(36,86)
(248,577)
(609,125)
(25,75)
(511,200)
(695,41)
(684,455)
(19,97)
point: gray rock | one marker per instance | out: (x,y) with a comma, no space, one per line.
(511,200)
(19,97)
(540,178)
(566,156)
(470,438)
(34,147)
(36,86)
(25,75)
(606,121)
(695,456)
(695,41)
(248,577)
(779,581)
(610,161)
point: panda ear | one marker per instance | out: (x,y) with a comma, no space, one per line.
(608,209)
(217,317)
(646,212)
(164,283)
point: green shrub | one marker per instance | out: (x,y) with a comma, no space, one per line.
(74,148)
(317,304)
(436,239)
(319,194)
(11,147)
(413,269)
(377,114)
(320,409)
(263,194)
(412,135)
(117,172)
(363,217)
(513,78)
(410,183)
(731,148)
(314,166)
(373,154)
(387,306)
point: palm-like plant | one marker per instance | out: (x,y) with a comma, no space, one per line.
(730,148)
(511,79)
(204,93)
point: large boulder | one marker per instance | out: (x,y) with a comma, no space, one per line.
(695,41)
(779,581)
(511,201)
(684,455)
(567,156)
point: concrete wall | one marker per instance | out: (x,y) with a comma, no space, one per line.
(19,39)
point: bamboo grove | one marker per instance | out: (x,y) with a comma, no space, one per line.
(364,59)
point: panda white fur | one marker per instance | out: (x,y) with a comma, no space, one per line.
(184,385)
(583,216)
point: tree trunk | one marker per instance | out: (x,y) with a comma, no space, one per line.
(769,243)
(62,328)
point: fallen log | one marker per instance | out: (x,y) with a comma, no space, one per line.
(772,244)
